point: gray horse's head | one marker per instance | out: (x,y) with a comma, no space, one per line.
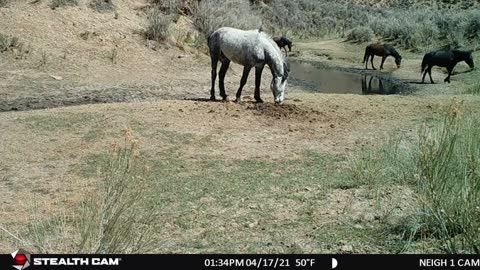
(279,83)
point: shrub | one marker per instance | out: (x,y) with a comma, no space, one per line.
(102,5)
(3,3)
(62,3)
(212,14)
(158,23)
(472,25)
(361,34)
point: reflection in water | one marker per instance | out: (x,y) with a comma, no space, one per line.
(324,80)
(376,86)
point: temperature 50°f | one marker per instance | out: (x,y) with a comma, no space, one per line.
(304,262)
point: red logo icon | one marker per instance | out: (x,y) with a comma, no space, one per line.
(21,259)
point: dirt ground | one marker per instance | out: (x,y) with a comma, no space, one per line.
(161,94)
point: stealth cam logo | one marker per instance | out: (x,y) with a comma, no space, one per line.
(21,259)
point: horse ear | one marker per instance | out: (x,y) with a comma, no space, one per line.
(260,29)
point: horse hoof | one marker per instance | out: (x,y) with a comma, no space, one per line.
(225,99)
(238,100)
(212,98)
(258,100)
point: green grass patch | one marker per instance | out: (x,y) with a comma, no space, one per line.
(474,89)
(62,122)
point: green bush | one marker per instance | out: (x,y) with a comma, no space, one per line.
(361,34)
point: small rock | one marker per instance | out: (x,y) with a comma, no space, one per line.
(58,78)
(358,226)
(346,248)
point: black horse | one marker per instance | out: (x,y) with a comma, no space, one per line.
(383,50)
(446,59)
(283,42)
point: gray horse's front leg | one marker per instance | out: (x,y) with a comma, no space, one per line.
(258,79)
(243,81)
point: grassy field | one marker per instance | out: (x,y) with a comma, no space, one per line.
(168,172)
(196,189)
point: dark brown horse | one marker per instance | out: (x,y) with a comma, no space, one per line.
(283,42)
(383,50)
(446,59)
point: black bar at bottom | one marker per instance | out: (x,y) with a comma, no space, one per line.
(244,261)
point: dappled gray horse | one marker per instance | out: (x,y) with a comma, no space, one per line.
(252,48)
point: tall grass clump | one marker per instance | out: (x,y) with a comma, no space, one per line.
(442,166)
(115,216)
(213,14)
(449,182)
(119,219)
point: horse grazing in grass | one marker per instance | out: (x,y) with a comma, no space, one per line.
(383,50)
(282,43)
(252,48)
(446,59)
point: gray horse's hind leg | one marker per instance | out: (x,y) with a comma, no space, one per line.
(222,73)
(214,58)
(243,81)
(258,79)
(215,54)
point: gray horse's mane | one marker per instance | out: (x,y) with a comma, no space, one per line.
(286,67)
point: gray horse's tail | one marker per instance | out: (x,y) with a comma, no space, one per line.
(209,37)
